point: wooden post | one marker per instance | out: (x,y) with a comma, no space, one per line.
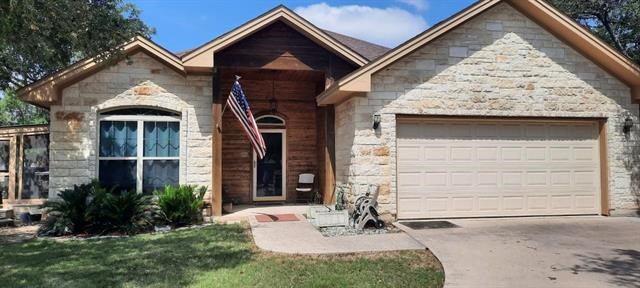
(329,156)
(12,169)
(604,168)
(216,177)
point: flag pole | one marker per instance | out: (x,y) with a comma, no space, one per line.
(224,108)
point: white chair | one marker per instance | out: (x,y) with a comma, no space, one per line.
(305,186)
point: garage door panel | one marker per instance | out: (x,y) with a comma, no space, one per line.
(511,153)
(487,153)
(536,153)
(491,203)
(538,202)
(488,179)
(585,154)
(513,202)
(435,153)
(497,168)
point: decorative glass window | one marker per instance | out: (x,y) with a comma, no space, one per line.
(270,120)
(139,152)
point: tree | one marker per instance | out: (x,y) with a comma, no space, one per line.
(15,112)
(39,37)
(615,21)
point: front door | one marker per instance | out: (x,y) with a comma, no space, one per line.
(269,173)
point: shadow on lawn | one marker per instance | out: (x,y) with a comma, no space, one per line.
(173,259)
(624,268)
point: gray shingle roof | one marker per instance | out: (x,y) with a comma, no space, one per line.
(366,49)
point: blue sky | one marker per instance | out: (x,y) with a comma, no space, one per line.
(186,24)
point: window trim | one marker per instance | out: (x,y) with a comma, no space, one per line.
(140,158)
(271,125)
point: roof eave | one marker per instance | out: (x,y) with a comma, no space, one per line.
(338,92)
(46,92)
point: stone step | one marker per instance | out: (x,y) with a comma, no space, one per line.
(6,222)
(6,213)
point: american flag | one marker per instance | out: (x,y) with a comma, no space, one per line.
(239,105)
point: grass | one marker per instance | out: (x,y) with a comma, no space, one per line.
(216,256)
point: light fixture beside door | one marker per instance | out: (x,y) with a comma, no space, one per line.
(273,102)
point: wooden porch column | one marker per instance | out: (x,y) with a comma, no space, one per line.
(329,156)
(216,177)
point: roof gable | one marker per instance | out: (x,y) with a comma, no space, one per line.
(558,24)
(47,90)
(202,57)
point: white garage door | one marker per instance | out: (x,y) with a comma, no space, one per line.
(473,168)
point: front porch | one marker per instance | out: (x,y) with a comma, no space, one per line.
(297,133)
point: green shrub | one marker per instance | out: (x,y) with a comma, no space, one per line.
(91,208)
(68,214)
(181,205)
(126,212)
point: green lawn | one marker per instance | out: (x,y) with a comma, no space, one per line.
(216,256)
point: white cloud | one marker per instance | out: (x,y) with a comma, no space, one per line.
(420,5)
(385,26)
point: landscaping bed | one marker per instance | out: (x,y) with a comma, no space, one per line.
(350,231)
(211,256)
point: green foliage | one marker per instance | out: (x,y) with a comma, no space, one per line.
(181,205)
(15,112)
(215,256)
(126,212)
(69,213)
(615,21)
(93,209)
(40,37)
(341,190)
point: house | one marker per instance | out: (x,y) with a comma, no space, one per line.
(508,108)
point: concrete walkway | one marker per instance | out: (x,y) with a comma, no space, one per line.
(246,212)
(300,237)
(537,252)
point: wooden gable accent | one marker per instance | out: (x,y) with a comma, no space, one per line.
(280,47)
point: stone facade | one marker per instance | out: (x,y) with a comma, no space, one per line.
(498,64)
(142,82)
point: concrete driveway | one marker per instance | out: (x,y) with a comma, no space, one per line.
(537,252)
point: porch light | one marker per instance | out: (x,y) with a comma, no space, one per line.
(376,121)
(273,103)
(628,124)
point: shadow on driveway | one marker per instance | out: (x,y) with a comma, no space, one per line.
(624,267)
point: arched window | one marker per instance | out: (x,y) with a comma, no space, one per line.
(140,111)
(138,149)
(270,120)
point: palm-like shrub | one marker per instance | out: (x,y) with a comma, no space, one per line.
(68,214)
(126,212)
(181,205)
(91,208)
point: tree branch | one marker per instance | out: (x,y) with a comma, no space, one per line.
(604,19)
